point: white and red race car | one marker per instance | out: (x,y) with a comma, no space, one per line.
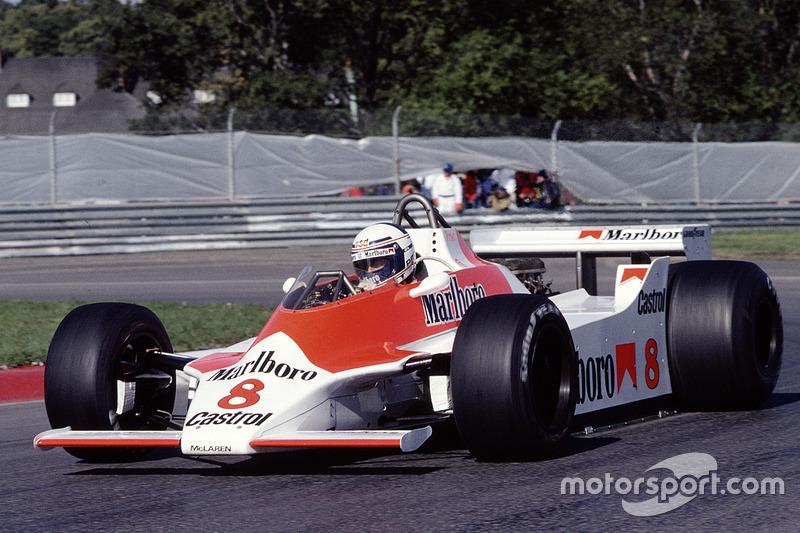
(512,363)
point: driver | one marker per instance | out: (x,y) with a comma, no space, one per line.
(382,252)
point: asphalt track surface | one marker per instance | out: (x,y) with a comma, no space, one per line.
(439,488)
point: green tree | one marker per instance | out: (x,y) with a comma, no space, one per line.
(695,60)
(671,60)
(88,36)
(390,46)
(248,53)
(756,76)
(169,43)
(36,28)
(271,50)
(486,72)
(647,48)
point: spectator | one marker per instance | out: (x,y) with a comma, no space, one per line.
(499,200)
(354,192)
(487,187)
(506,178)
(426,184)
(550,194)
(411,187)
(472,191)
(527,191)
(446,193)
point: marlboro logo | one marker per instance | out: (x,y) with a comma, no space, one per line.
(265,364)
(648,234)
(450,304)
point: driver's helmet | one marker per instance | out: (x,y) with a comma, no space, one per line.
(381,252)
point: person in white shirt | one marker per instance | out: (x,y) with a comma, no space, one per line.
(446,192)
(506,178)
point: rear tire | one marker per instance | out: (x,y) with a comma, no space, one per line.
(724,335)
(514,377)
(94,347)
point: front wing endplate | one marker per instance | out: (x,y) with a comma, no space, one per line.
(406,440)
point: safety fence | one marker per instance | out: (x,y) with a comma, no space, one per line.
(244,166)
(40,230)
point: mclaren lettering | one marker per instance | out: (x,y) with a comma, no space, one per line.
(265,364)
(210,449)
(450,304)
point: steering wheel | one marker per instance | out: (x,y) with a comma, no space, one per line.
(401,213)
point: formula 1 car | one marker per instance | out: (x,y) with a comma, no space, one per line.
(466,338)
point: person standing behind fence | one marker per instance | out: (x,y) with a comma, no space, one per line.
(550,195)
(447,192)
(506,178)
(527,192)
(471,191)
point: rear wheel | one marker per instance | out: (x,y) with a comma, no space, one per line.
(98,375)
(514,374)
(724,335)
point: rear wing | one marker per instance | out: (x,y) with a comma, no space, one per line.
(588,243)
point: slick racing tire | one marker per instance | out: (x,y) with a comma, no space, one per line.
(724,335)
(95,347)
(514,378)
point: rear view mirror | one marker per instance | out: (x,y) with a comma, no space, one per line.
(434,283)
(288,285)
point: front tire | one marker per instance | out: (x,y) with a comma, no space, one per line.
(724,335)
(96,347)
(514,377)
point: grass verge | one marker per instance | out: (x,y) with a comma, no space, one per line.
(754,245)
(28,327)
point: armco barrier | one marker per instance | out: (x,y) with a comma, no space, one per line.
(131,227)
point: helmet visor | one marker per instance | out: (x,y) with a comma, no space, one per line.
(375,265)
(372,264)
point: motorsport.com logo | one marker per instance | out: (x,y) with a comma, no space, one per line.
(672,483)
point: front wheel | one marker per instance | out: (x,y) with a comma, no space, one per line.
(514,377)
(98,375)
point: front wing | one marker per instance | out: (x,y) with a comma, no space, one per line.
(405,440)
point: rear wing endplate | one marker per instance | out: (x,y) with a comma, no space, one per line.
(588,243)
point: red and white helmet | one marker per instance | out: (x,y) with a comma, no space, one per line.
(381,252)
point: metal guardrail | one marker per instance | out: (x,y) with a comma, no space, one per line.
(130,228)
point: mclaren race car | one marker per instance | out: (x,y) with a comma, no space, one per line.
(454,331)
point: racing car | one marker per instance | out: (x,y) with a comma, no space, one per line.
(430,329)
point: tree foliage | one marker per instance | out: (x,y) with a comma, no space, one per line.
(665,60)
(36,28)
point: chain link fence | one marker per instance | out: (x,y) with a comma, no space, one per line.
(214,153)
(337,122)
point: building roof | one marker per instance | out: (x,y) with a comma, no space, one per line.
(94,110)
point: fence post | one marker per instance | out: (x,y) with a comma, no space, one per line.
(231,173)
(53,177)
(554,147)
(696,161)
(396,144)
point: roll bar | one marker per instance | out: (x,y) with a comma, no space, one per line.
(401,213)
